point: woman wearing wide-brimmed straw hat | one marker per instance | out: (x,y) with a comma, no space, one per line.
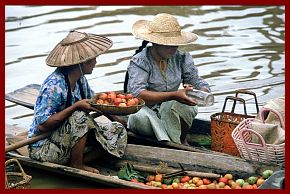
(62,107)
(155,74)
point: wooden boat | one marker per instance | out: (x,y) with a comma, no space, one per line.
(147,159)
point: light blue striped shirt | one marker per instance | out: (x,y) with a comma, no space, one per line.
(145,75)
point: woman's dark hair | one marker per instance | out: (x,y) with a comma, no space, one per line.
(144,44)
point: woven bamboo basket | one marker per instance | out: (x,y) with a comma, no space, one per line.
(223,124)
(262,151)
(15,179)
(117,110)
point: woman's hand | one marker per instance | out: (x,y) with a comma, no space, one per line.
(55,120)
(183,98)
(85,105)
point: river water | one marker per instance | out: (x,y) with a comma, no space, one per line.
(238,47)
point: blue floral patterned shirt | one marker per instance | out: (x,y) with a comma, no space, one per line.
(52,98)
(145,75)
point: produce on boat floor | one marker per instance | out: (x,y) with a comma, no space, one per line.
(227,181)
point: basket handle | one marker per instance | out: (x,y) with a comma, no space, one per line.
(265,110)
(253,145)
(243,91)
(235,99)
(17,162)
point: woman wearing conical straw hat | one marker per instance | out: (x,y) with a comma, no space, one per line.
(155,74)
(62,107)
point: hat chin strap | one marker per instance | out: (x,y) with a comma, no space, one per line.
(82,75)
(81,70)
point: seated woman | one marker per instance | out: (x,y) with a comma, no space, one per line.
(155,74)
(62,108)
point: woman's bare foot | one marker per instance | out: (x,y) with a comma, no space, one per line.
(86,168)
(90,169)
(184,142)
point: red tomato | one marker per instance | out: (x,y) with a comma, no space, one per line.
(150,178)
(206,181)
(122,104)
(175,185)
(184,179)
(164,186)
(224,180)
(260,181)
(129,96)
(199,182)
(158,178)
(202,187)
(130,102)
(136,100)
(103,96)
(121,96)
(134,180)
(100,101)
(111,97)
(117,101)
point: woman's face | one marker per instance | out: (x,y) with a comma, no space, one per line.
(164,51)
(88,66)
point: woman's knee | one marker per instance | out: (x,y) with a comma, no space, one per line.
(140,124)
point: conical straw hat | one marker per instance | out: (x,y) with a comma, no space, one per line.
(164,30)
(76,48)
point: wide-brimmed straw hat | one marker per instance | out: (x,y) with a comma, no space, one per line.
(77,47)
(164,29)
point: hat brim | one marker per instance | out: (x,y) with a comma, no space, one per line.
(72,54)
(140,29)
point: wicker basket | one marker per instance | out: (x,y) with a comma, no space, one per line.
(263,152)
(223,124)
(16,180)
(117,110)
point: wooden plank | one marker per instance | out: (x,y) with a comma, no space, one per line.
(14,140)
(24,96)
(154,168)
(137,139)
(14,130)
(195,161)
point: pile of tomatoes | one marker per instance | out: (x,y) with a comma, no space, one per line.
(186,182)
(116,99)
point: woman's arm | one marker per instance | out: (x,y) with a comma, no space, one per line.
(57,119)
(151,97)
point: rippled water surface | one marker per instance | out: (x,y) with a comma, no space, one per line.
(238,47)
